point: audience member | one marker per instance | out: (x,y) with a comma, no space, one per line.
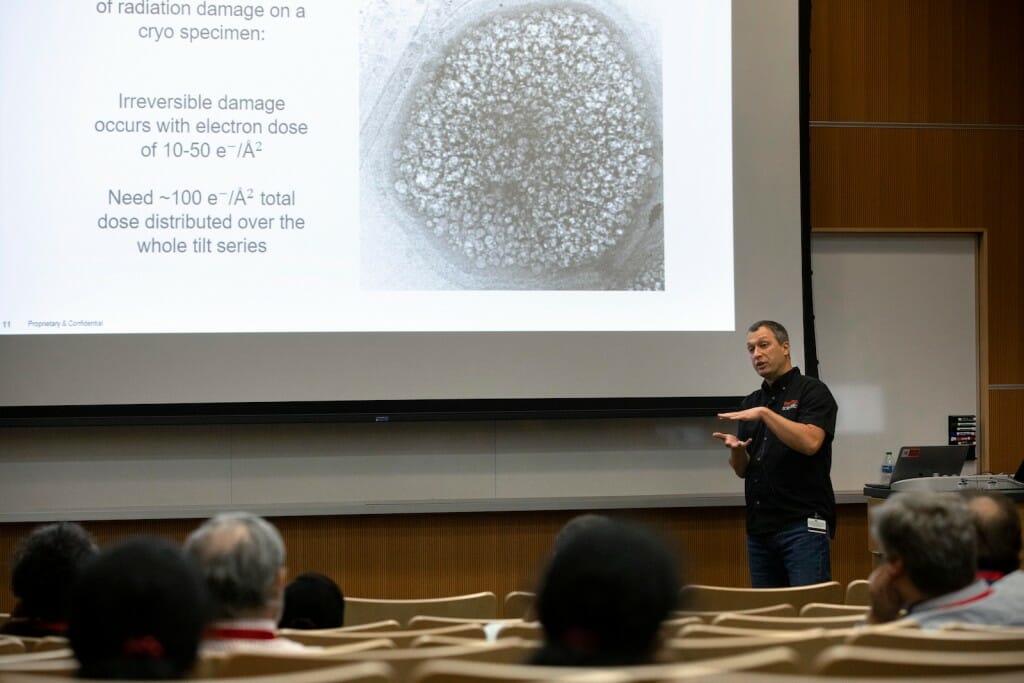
(241,557)
(603,596)
(138,611)
(312,601)
(929,563)
(576,525)
(997,523)
(46,563)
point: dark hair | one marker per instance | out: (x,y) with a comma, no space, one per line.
(46,563)
(781,335)
(998,530)
(138,612)
(313,600)
(603,596)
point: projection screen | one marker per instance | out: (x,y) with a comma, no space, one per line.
(301,203)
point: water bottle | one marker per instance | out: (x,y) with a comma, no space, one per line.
(887,465)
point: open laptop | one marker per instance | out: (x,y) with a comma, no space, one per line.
(928,461)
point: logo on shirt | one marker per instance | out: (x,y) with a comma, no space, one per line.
(790,405)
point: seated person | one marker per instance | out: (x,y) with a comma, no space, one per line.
(998,526)
(997,523)
(46,563)
(138,612)
(929,563)
(313,601)
(241,557)
(602,598)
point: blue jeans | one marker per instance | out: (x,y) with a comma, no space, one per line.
(793,557)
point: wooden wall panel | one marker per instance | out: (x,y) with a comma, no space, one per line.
(406,556)
(950,74)
(907,179)
(921,61)
(1006,413)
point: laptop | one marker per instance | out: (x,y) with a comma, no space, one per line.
(928,461)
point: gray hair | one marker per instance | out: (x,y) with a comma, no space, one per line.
(781,335)
(932,533)
(239,555)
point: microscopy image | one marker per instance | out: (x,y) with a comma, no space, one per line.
(520,150)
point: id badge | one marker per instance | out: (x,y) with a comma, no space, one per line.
(817,525)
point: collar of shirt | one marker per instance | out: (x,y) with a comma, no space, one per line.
(975,591)
(782,381)
(242,629)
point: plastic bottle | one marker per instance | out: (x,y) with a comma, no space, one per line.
(887,465)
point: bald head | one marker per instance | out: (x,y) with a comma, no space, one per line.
(997,524)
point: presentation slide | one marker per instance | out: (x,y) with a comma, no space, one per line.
(388,165)
(326,201)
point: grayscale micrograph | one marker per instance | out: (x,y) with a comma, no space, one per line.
(515,145)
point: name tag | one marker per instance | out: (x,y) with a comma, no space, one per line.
(816,525)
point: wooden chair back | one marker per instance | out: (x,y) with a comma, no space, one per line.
(852,660)
(10,645)
(427,621)
(775,660)
(329,637)
(723,598)
(53,662)
(945,641)
(256,663)
(756,621)
(805,644)
(829,609)
(404,661)
(857,592)
(383,625)
(367,610)
(518,605)
(44,643)
(780,610)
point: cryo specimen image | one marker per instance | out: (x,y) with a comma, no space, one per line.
(525,150)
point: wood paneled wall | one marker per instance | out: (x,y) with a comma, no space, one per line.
(917,110)
(918,118)
(410,556)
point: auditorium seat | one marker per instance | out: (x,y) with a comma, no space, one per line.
(852,660)
(327,637)
(773,660)
(707,597)
(780,610)
(757,621)
(518,604)
(857,592)
(944,640)
(829,609)
(367,610)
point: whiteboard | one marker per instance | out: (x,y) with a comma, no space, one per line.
(896,320)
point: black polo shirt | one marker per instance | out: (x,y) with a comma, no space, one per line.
(784,487)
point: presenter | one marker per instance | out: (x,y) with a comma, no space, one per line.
(783,451)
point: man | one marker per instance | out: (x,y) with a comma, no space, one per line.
(783,451)
(241,557)
(46,564)
(928,567)
(998,529)
(997,523)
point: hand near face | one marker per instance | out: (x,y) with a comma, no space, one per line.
(886,602)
